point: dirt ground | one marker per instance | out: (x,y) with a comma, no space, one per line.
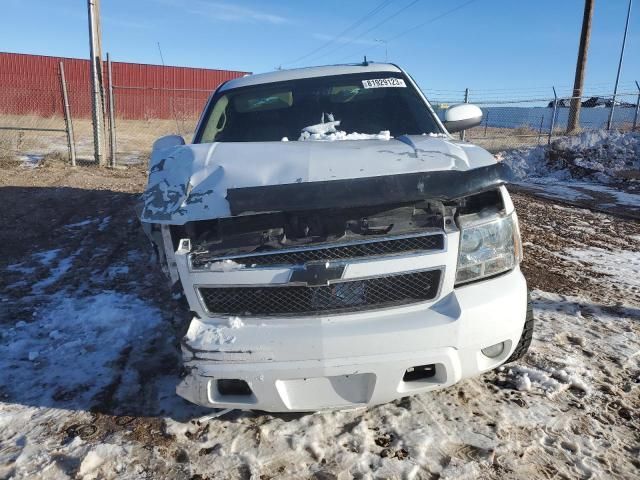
(585,425)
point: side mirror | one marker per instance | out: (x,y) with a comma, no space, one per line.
(168,141)
(462,117)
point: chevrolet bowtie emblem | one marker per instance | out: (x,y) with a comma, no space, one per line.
(316,274)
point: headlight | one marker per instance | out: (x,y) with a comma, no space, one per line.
(487,248)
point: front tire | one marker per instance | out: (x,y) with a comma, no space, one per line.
(527,335)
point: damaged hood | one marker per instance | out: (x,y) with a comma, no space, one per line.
(192,182)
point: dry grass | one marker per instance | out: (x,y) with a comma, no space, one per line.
(7,159)
(31,142)
(54,159)
(139,135)
(134,137)
(496,139)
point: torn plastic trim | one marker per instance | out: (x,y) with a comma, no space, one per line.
(443,185)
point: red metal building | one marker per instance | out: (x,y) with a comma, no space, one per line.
(30,85)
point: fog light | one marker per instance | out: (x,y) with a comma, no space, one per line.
(494,350)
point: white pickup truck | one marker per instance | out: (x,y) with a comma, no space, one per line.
(336,246)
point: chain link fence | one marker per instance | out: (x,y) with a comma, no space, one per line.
(32,117)
(35,120)
(152,113)
(518,123)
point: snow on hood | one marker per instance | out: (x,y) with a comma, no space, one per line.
(328,132)
(341,135)
(190,182)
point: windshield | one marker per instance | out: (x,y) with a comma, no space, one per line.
(340,107)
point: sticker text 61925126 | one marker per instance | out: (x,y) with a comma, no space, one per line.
(383,83)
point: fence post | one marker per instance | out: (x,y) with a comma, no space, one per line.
(466,100)
(71,143)
(613,107)
(540,129)
(553,115)
(635,116)
(486,124)
(112,119)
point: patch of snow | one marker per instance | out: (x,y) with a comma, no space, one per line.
(104,223)
(623,265)
(554,188)
(114,271)
(594,166)
(76,340)
(436,135)
(20,268)
(83,223)
(30,160)
(531,162)
(322,128)
(47,256)
(55,334)
(524,383)
(55,273)
(341,135)
(619,197)
(598,155)
(102,462)
(550,381)
(328,132)
(201,335)
(235,322)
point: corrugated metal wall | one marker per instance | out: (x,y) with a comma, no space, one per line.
(30,85)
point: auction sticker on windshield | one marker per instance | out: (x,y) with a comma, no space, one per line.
(383,83)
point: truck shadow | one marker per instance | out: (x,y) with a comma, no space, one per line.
(88,323)
(87,319)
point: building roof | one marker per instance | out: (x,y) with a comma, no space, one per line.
(308,72)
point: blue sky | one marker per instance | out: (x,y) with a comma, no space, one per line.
(486,45)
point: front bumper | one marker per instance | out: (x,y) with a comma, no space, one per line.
(344,361)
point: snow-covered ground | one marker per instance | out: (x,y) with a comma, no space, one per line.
(595,167)
(89,366)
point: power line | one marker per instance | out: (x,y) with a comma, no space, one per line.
(398,12)
(355,24)
(420,25)
(503,99)
(504,89)
(434,19)
(601,87)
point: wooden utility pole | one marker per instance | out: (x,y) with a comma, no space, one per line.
(97,85)
(574,111)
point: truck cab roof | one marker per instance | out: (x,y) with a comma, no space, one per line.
(308,72)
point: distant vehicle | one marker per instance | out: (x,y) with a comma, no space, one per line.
(593,102)
(336,246)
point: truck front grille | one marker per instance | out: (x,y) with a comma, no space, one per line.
(343,296)
(361,249)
